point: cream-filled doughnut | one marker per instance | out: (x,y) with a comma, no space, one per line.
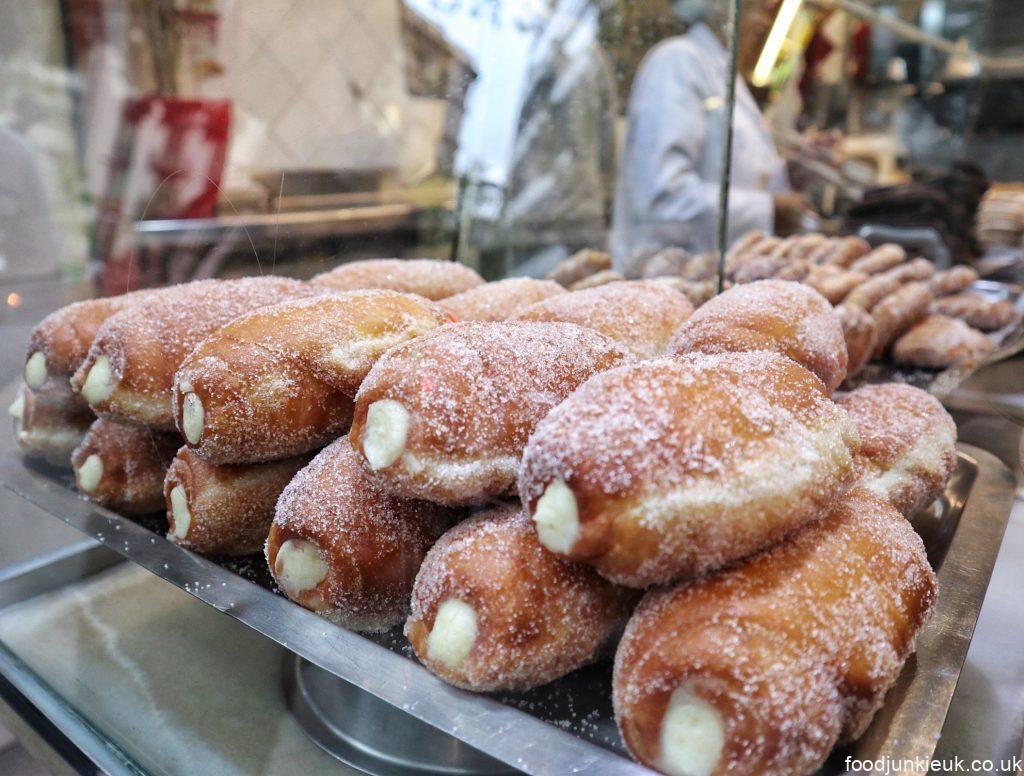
(224,509)
(668,469)
(493,610)
(774,315)
(129,370)
(48,431)
(445,417)
(428,278)
(122,467)
(641,315)
(908,444)
(279,381)
(345,548)
(500,299)
(763,667)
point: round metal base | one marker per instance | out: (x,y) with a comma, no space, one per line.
(373,736)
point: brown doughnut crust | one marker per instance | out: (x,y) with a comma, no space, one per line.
(775,315)
(538,617)
(430,278)
(745,243)
(795,270)
(860,334)
(939,342)
(953,280)
(977,311)
(373,542)
(759,268)
(834,283)
(872,291)
(641,315)
(806,245)
(597,279)
(146,343)
(794,649)
(882,258)
(898,312)
(912,271)
(134,460)
(48,431)
(499,300)
(845,251)
(908,444)
(230,507)
(474,393)
(280,380)
(581,264)
(678,466)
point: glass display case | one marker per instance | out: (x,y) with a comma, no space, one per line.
(864,148)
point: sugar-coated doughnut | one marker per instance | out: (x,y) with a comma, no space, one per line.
(833,282)
(429,278)
(795,270)
(939,342)
(977,311)
(347,549)
(122,467)
(46,430)
(279,381)
(499,300)
(764,667)
(844,251)
(882,258)
(666,469)
(597,279)
(582,264)
(493,610)
(953,280)
(908,444)
(872,291)
(860,334)
(446,416)
(224,509)
(912,271)
(897,312)
(776,315)
(759,268)
(128,372)
(641,315)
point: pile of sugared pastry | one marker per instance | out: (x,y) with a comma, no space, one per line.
(533,479)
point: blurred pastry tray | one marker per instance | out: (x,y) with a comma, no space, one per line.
(1009,341)
(567,726)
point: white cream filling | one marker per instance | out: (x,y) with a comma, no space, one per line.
(180,512)
(453,634)
(692,735)
(17,410)
(99,382)
(387,424)
(90,473)
(926,455)
(35,370)
(299,566)
(192,418)
(557,518)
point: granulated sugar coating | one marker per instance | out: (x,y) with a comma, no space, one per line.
(775,315)
(908,444)
(791,651)
(146,343)
(279,381)
(372,542)
(677,466)
(500,299)
(538,617)
(472,393)
(939,342)
(641,315)
(429,278)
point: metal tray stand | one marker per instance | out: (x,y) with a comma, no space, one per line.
(366,699)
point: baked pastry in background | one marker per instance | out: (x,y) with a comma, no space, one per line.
(122,467)
(882,258)
(345,548)
(430,278)
(774,315)
(917,270)
(939,342)
(224,509)
(765,666)
(499,300)
(641,315)
(597,279)
(899,311)
(668,469)
(129,370)
(907,444)
(861,337)
(977,311)
(46,431)
(872,291)
(493,610)
(446,416)
(280,380)
(953,280)
(833,282)
(582,264)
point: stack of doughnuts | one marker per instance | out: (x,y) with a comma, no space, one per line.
(507,470)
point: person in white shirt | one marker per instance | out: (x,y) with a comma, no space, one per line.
(667,192)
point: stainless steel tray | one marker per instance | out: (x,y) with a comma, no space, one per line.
(567,726)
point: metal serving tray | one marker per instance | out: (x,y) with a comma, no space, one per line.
(567,726)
